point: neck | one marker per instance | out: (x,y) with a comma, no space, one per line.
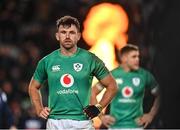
(125,68)
(68,52)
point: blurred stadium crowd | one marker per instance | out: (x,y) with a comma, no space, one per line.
(27,29)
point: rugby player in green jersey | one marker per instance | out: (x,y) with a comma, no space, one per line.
(126,109)
(69,71)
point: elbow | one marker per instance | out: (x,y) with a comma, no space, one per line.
(114,88)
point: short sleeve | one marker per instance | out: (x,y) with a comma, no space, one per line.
(99,69)
(40,74)
(151,83)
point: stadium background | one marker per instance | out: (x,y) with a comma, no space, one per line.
(27,30)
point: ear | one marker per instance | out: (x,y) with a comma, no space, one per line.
(57,36)
(79,36)
(123,58)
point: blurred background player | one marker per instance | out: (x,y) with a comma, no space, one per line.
(126,109)
(6,117)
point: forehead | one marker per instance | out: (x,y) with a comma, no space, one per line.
(68,27)
(133,53)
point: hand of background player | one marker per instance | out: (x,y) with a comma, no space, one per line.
(145,120)
(44,113)
(107,120)
(92,111)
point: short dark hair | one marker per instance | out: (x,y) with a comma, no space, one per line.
(127,48)
(68,21)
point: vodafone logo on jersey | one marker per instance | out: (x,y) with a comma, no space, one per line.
(127,92)
(67,80)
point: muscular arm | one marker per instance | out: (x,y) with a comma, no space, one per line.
(36,98)
(96,89)
(147,118)
(111,88)
(110,92)
(155,107)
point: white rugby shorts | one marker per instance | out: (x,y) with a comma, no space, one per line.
(63,124)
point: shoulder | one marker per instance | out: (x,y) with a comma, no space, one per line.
(86,53)
(51,55)
(116,69)
(144,71)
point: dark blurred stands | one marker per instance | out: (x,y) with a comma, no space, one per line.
(27,29)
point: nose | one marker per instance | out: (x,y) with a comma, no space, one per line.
(67,35)
(138,60)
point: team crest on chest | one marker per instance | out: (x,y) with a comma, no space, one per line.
(136,81)
(78,66)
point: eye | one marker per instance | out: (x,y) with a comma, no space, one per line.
(63,32)
(72,32)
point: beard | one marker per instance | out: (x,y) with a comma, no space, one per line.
(68,45)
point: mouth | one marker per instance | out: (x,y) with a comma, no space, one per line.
(67,40)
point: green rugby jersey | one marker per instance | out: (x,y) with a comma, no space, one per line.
(128,103)
(69,81)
